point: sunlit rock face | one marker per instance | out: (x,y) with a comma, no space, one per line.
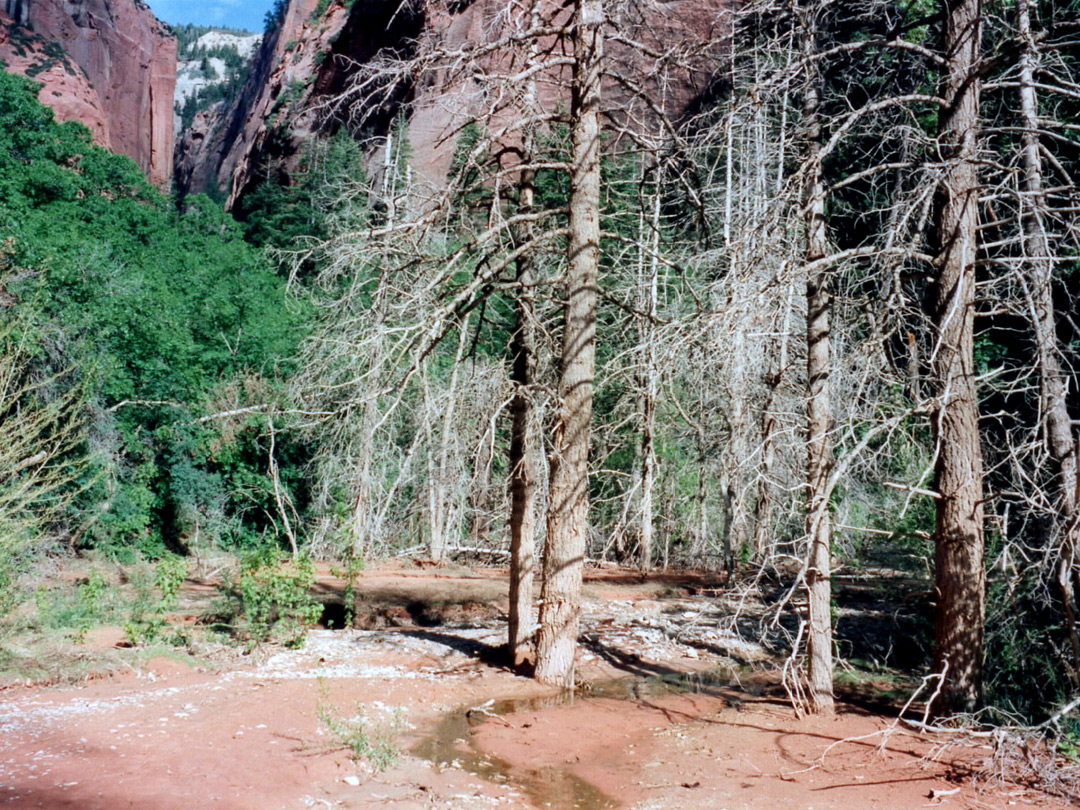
(109,64)
(303,68)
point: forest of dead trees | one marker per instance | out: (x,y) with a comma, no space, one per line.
(822,313)
(791,293)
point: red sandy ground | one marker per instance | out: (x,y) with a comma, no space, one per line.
(244,734)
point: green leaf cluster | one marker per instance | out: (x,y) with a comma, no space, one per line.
(165,315)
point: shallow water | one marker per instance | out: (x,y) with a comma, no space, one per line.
(558,787)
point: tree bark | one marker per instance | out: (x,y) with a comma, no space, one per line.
(522,441)
(650,380)
(818,398)
(1053,383)
(560,603)
(959,574)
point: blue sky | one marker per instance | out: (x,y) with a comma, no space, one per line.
(230,13)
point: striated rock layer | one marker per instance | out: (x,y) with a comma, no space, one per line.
(114,70)
(304,67)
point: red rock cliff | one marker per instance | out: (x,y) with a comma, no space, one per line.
(307,63)
(128,61)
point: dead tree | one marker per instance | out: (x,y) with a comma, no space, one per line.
(960,581)
(1053,381)
(818,400)
(560,598)
(523,441)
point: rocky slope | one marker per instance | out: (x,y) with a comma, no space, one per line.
(107,63)
(303,68)
(304,61)
(211,67)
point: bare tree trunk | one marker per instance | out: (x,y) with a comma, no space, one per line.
(727,518)
(1053,383)
(281,496)
(818,402)
(560,603)
(441,504)
(522,441)
(362,506)
(769,427)
(734,486)
(480,506)
(960,579)
(431,489)
(701,539)
(522,464)
(651,383)
(362,527)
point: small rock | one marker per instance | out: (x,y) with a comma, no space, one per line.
(352,781)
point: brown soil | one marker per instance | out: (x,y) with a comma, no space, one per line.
(243,732)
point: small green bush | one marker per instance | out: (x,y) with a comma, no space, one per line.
(320,10)
(271,598)
(78,609)
(375,743)
(350,572)
(154,597)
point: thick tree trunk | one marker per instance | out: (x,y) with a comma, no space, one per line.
(959,574)
(1053,382)
(522,443)
(560,602)
(818,403)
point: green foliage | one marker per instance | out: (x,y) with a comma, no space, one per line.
(155,596)
(465,166)
(275,16)
(157,308)
(95,601)
(286,212)
(350,572)
(1025,644)
(319,11)
(188,34)
(206,97)
(375,743)
(271,598)
(169,575)
(237,69)
(87,605)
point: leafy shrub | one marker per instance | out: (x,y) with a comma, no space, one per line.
(350,572)
(153,309)
(88,604)
(271,598)
(319,11)
(154,597)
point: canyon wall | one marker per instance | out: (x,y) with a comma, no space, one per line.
(109,64)
(295,88)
